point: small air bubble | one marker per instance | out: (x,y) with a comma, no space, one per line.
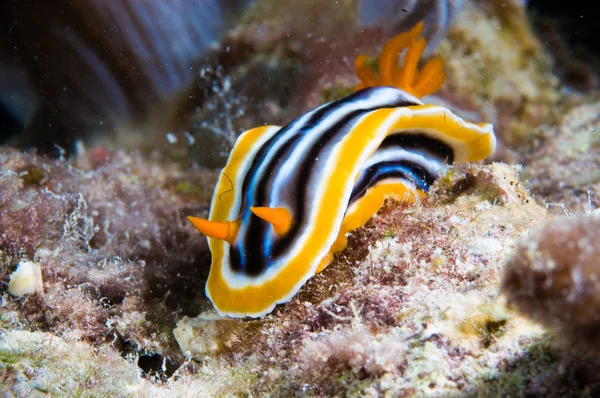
(172,138)
(191,140)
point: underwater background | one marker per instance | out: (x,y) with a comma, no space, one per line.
(116,118)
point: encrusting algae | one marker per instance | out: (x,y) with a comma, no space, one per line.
(426,289)
(554,278)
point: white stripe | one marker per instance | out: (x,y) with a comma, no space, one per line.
(432,165)
(376,98)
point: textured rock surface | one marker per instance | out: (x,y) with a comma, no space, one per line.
(564,170)
(415,311)
(106,232)
(38,364)
(554,277)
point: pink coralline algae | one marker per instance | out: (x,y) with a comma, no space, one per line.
(107,232)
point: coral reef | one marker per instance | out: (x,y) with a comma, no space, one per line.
(553,277)
(29,368)
(102,280)
(411,307)
(563,170)
(107,234)
(497,68)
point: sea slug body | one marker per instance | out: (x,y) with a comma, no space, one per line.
(289,195)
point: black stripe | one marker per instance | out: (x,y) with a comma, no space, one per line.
(309,164)
(257,227)
(413,141)
(257,232)
(302,199)
(374,174)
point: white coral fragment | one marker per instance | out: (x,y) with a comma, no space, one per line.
(26,279)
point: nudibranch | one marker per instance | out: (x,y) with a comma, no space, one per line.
(288,196)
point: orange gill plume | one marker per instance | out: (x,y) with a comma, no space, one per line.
(407,76)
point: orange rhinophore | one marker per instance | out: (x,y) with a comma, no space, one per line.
(226,231)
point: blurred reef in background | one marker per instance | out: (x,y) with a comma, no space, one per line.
(115,117)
